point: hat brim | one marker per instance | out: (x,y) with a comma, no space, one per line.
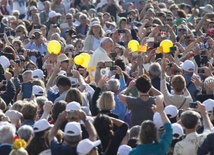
(96,143)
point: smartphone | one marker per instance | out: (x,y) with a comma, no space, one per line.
(173,48)
(162,28)
(169,64)
(200,70)
(180,112)
(109,63)
(193,105)
(27,89)
(71,114)
(150,39)
(4,82)
(121,31)
(204,59)
(113,68)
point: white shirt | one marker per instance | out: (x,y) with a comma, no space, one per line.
(21,9)
(96,43)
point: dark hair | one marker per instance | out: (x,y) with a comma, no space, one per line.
(148,132)
(58,107)
(181,14)
(120,63)
(189,119)
(29,111)
(104,127)
(11,51)
(143,84)
(37,144)
(63,81)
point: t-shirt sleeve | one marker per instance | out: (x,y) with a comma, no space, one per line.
(130,102)
(54,146)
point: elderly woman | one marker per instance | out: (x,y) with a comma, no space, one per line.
(95,34)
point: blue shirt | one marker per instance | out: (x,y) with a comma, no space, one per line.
(190,86)
(120,108)
(159,148)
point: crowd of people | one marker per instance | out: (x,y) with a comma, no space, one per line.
(122,101)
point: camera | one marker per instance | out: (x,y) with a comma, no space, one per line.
(121,31)
(108,64)
(193,105)
(173,48)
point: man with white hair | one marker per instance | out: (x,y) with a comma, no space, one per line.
(7,133)
(83,27)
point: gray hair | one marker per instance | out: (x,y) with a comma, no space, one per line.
(113,85)
(26,73)
(7,133)
(155,70)
(25,132)
(134,131)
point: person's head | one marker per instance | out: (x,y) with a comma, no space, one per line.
(9,50)
(106,101)
(21,30)
(73,133)
(27,76)
(107,44)
(207,83)
(29,111)
(155,70)
(64,61)
(3,105)
(53,16)
(144,81)
(31,66)
(47,5)
(16,13)
(178,83)
(57,109)
(148,132)
(18,105)
(96,29)
(169,19)
(17,45)
(104,127)
(69,18)
(122,23)
(119,50)
(87,147)
(74,94)
(181,14)
(63,84)
(41,102)
(121,64)
(113,85)
(25,132)
(83,19)
(189,120)
(43,28)
(35,19)
(7,133)
(134,131)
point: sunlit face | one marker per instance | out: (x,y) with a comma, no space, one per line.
(96,29)
(16,46)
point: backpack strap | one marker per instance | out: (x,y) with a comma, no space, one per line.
(182,103)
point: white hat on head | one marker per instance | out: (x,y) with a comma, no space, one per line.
(85,146)
(95,23)
(207,8)
(4,61)
(177,129)
(62,57)
(74,81)
(157,120)
(73,106)
(41,125)
(38,90)
(13,114)
(209,104)
(53,14)
(38,74)
(104,39)
(33,8)
(188,66)
(124,150)
(171,110)
(73,129)
(61,72)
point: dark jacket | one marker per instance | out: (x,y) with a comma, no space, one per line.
(78,30)
(9,94)
(5,149)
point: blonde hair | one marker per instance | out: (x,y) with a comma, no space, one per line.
(90,32)
(106,101)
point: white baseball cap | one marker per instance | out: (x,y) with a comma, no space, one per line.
(38,74)
(4,61)
(38,90)
(171,111)
(53,14)
(13,114)
(85,146)
(188,66)
(124,150)
(209,104)
(41,125)
(73,106)
(157,120)
(73,129)
(177,129)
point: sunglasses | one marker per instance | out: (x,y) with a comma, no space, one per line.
(168,19)
(182,30)
(68,18)
(18,31)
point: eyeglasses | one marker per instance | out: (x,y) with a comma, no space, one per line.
(182,30)
(168,19)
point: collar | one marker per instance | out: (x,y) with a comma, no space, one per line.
(191,135)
